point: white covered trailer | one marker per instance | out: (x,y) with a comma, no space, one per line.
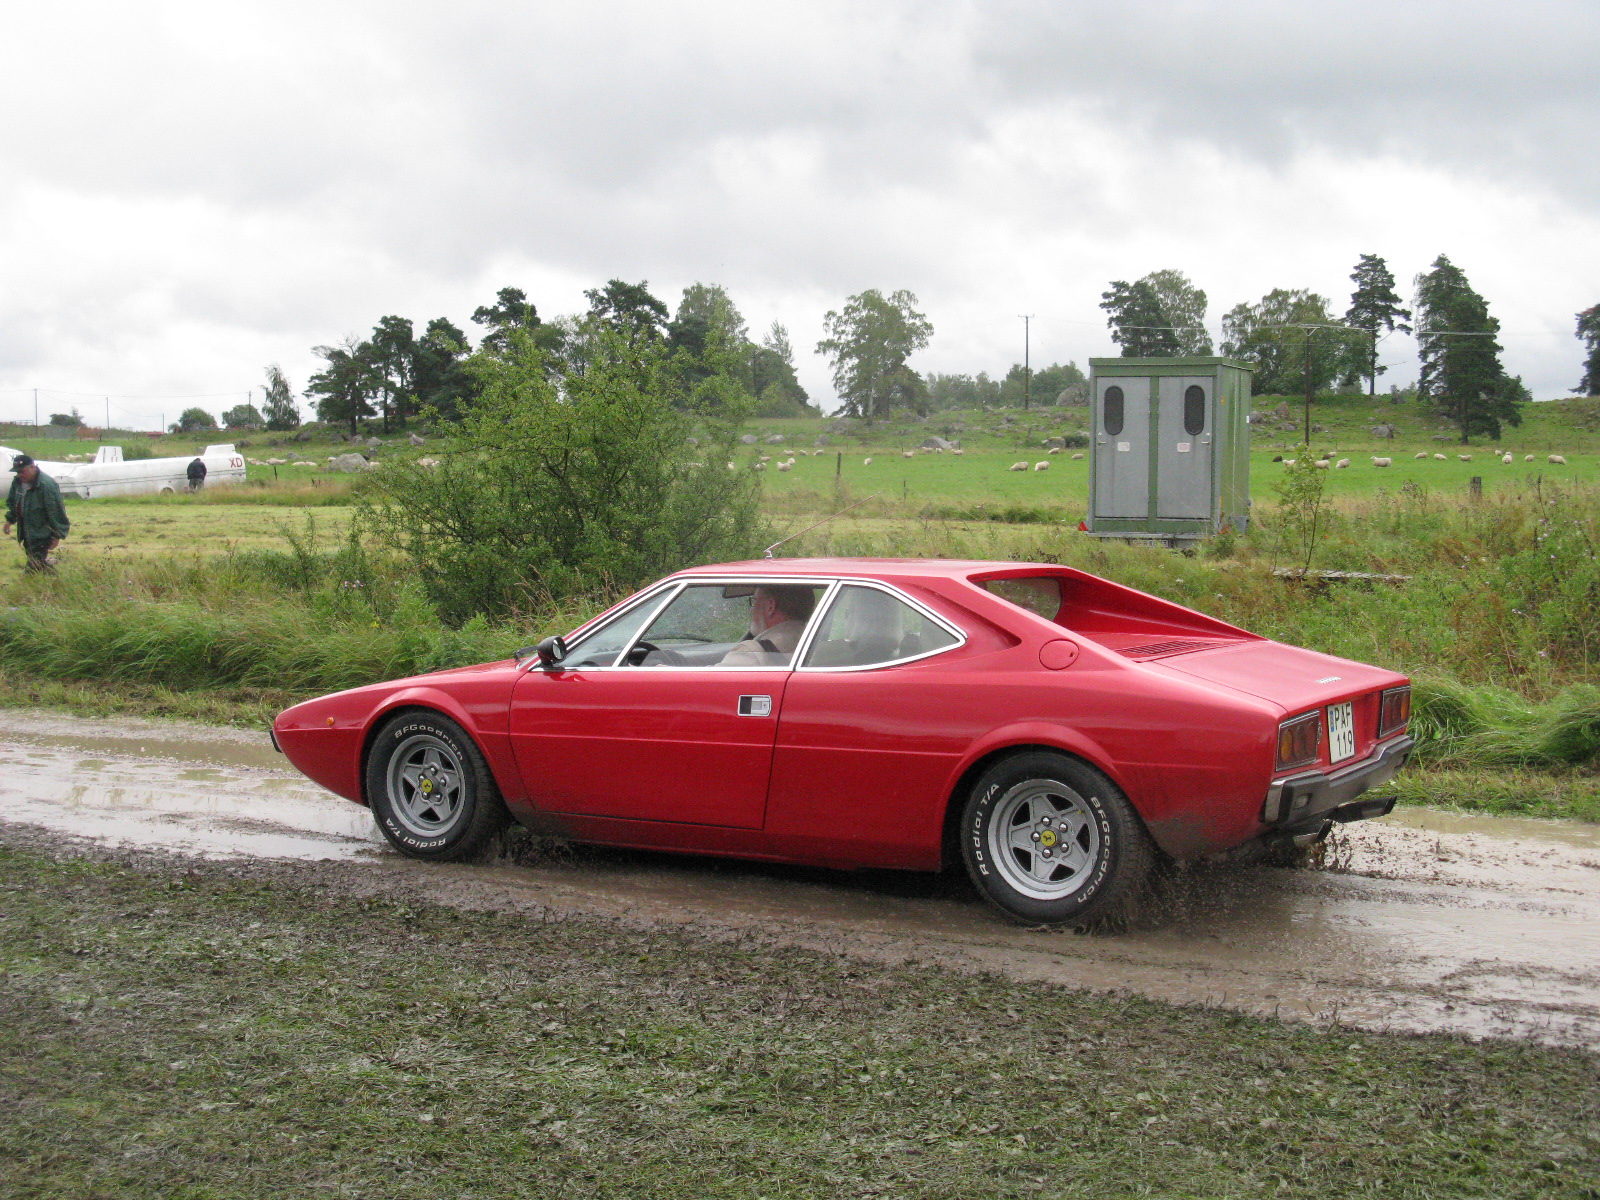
(109,474)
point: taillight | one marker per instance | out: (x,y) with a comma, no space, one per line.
(1395,711)
(1298,741)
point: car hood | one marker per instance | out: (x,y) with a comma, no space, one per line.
(1288,676)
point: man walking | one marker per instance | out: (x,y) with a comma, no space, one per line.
(197,474)
(34,506)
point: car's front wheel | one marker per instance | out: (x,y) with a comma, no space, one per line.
(1051,841)
(430,789)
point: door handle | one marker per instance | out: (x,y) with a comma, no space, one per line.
(755,706)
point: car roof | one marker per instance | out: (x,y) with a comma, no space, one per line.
(876,568)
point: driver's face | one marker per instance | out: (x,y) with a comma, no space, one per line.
(763,612)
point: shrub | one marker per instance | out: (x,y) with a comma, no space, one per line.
(570,480)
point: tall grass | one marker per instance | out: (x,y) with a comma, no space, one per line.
(305,618)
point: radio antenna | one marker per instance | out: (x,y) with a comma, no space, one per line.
(768,552)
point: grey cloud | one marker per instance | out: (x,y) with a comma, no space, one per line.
(1485,88)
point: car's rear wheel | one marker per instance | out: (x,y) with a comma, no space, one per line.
(1051,841)
(430,789)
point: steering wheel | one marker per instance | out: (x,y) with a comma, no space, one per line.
(668,658)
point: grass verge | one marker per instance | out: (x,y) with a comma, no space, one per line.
(201,1032)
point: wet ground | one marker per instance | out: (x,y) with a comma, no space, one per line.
(1424,920)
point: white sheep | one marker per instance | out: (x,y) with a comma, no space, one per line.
(1053,450)
(1382,462)
(1464,457)
(1322,464)
(760,466)
(1559,459)
(765,458)
(907,454)
(305,464)
(1042,466)
(1507,459)
(783,466)
(1289,462)
(1018,467)
(1341,464)
(957,450)
(1527,458)
(1422,454)
(733,466)
(867,461)
(1079,454)
(434,462)
(1442,457)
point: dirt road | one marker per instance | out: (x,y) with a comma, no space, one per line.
(1425,920)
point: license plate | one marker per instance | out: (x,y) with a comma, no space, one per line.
(1341,732)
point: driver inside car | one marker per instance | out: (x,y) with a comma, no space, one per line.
(778,616)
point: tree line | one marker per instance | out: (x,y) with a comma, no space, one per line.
(1297,343)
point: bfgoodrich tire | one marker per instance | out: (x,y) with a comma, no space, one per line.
(1050,840)
(430,789)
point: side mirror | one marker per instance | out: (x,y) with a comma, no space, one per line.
(551,651)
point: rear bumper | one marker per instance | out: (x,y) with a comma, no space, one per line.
(1306,800)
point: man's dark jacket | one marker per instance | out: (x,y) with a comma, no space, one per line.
(37,513)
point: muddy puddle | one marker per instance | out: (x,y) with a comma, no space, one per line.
(1425,920)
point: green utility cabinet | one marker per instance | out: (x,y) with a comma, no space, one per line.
(1170,455)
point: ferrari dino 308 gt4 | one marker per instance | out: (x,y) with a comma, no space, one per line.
(1054,731)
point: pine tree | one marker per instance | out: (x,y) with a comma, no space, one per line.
(1589,334)
(1461,370)
(1374,306)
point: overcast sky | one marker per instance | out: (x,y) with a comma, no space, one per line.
(189,191)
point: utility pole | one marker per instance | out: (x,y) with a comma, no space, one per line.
(1027,368)
(1308,390)
(36,408)
(108,414)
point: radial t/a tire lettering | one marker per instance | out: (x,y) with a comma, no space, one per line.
(430,789)
(1049,840)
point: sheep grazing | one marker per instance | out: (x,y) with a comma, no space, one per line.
(1018,467)
(1042,466)
(1559,459)
(1053,450)
(1288,462)
(765,458)
(1442,457)
(1079,454)
(907,454)
(761,466)
(784,466)
(867,462)
(733,466)
(1322,464)
(957,450)
(1341,464)
(1527,458)
(1507,459)
(1382,462)
(1464,457)
(1422,454)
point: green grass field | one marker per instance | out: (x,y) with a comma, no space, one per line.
(220,1031)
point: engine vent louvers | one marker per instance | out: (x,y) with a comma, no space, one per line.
(1173,646)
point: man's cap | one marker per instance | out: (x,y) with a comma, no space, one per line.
(20,461)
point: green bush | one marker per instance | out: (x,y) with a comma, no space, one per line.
(570,481)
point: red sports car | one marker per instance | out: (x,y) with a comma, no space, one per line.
(1053,730)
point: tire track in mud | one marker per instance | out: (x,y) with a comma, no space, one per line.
(1423,921)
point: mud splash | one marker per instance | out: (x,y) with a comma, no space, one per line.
(1423,921)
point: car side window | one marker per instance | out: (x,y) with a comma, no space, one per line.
(600,648)
(728,625)
(866,627)
(1039,594)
